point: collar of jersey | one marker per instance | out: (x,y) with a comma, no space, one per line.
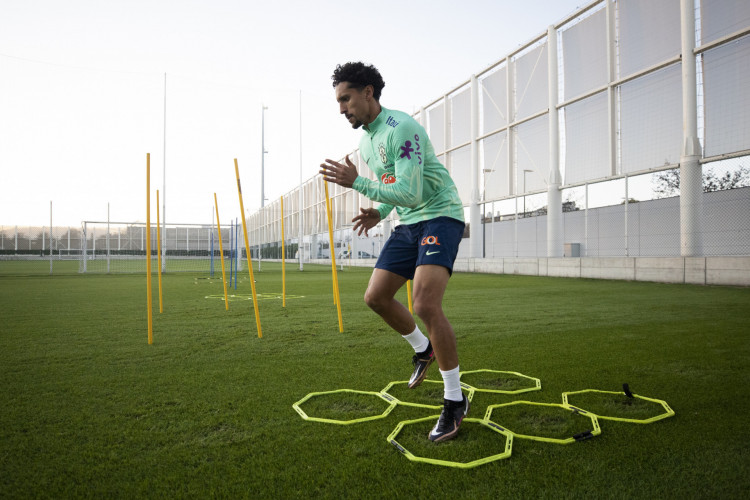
(378,122)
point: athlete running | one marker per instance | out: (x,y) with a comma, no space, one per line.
(423,247)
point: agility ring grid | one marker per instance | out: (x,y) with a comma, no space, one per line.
(486,421)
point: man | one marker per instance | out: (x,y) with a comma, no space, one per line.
(424,246)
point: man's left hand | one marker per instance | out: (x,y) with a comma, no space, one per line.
(341,174)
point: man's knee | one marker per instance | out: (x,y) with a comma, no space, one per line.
(427,309)
(374,301)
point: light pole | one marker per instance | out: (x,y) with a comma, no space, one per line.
(262,180)
(263,156)
(525,171)
(164,186)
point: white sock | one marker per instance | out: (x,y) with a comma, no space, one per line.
(417,340)
(452,385)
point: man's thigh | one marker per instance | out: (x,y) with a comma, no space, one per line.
(430,282)
(384,284)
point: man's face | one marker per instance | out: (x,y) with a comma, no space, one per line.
(353,103)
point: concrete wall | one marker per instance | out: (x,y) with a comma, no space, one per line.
(727,271)
(734,271)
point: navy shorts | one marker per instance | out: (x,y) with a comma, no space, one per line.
(433,241)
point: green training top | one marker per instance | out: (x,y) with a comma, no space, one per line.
(411,178)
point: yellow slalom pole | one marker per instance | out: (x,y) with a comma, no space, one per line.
(283,259)
(158,250)
(149,297)
(336,296)
(329,217)
(333,259)
(247,249)
(221,255)
(408,296)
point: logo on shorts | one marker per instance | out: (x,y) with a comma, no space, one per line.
(430,240)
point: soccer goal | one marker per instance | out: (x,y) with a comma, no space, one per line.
(120,247)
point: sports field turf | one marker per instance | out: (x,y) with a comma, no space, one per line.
(90,410)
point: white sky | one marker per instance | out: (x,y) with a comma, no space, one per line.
(82,93)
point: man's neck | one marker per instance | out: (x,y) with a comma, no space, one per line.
(375,110)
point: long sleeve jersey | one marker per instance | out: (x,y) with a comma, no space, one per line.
(409,175)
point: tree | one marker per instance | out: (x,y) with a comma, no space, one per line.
(667,182)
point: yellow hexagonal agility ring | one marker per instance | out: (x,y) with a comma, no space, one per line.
(392,402)
(507,449)
(580,436)
(500,379)
(436,406)
(628,398)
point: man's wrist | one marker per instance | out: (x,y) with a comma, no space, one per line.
(380,212)
(357,181)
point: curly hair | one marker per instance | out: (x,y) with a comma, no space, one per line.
(359,75)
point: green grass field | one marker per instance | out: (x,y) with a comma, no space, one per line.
(90,410)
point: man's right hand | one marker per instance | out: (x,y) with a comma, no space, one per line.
(366,220)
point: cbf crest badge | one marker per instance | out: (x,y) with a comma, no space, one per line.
(383,157)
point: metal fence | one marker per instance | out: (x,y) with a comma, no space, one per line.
(589,114)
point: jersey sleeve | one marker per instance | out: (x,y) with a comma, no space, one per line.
(384,209)
(405,147)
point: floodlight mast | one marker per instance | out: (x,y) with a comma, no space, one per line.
(263,155)
(691,172)
(164,184)
(262,180)
(300,244)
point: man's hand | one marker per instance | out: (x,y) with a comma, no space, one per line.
(343,175)
(366,220)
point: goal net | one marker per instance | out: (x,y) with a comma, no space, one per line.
(120,247)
